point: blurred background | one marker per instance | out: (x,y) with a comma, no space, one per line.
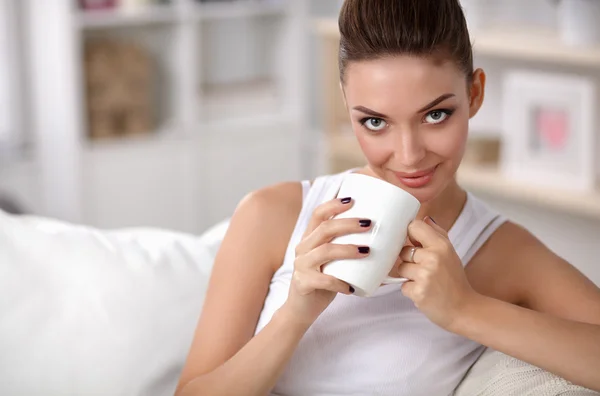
(165,113)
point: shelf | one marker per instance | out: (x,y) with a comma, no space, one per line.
(534,45)
(240,9)
(522,44)
(489,180)
(240,100)
(219,127)
(148,15)
(166,134)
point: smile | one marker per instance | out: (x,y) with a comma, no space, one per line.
(416,179)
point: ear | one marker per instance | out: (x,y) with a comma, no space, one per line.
(476,92)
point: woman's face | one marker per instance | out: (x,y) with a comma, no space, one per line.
(410,116)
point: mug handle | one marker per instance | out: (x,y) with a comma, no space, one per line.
(388,280)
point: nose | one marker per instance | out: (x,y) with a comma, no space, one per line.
(409,149)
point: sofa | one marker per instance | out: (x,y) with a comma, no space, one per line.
(86,312)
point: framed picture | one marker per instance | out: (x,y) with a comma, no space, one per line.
(549,123)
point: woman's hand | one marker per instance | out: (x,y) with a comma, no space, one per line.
(437,282)
(311,291)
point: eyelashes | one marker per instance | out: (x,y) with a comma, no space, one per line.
(438,116)
(434,117)
(373,123)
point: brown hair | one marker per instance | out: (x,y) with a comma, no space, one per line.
(372,29)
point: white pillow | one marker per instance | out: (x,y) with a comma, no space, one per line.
(89,312)
(497,374)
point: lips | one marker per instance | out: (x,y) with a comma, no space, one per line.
(416,179)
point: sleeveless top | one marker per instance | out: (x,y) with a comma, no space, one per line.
(379,345)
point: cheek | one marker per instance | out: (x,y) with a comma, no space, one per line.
(450,142)
(377,151)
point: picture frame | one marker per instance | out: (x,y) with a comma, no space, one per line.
(549,122)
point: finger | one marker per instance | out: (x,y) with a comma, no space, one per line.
(425,235)
(407,255)
(327,210)
(409,271)
(328,282)
(329,252)
(407,289)
(330,229)
(309,281)
(429,220)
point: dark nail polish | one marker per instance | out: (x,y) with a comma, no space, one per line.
(364,249)
(365,223)
(351,290)
(346,200)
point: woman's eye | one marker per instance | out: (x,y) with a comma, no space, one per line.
(374,124)
(437,116)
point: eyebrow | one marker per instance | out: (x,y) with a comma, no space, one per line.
(434,103)
(370,112)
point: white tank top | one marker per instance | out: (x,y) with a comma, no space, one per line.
(381,345)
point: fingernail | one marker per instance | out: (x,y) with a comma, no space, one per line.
(351,289)
(346,200)
(364,249)
(365,223)
(431,218)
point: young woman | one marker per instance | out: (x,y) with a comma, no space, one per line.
(272,323)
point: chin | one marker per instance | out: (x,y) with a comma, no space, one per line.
(424,194)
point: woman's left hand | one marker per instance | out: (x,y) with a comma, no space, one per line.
(437,282)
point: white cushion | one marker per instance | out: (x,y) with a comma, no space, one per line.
(91,312)
(497,374)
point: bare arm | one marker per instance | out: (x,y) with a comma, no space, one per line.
(254,370)
(568,348)
(225,357)
(557,325)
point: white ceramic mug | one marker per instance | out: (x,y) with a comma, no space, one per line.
(391,210)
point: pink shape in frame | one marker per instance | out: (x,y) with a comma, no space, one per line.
(552,127)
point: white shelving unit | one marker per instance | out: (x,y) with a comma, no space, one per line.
(230,74)
(227,60)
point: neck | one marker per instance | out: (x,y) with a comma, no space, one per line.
(446,207)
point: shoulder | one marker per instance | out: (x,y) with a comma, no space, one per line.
(270,203)
(515,245)
(267,217)
(506,260)
(517,267)
(511,240)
